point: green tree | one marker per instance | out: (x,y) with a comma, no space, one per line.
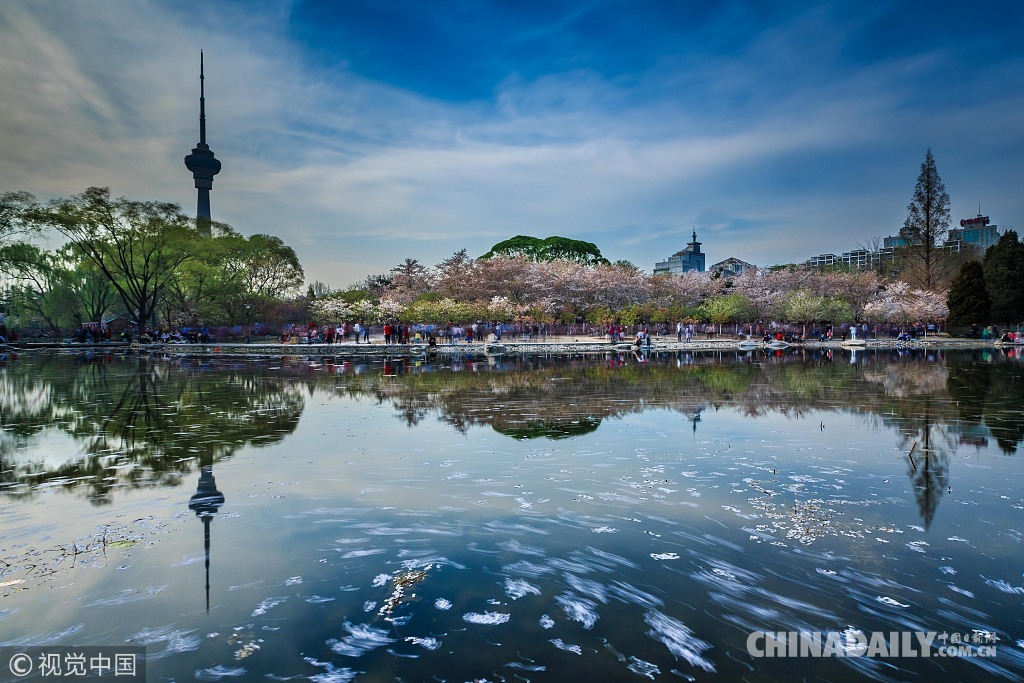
(549,249)
(1004,275)
(803,307)
(14,207)
(138,246)
(925,229)
(59,289)
(731,308)
(968,299)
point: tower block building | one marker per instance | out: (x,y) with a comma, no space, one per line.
(201,161)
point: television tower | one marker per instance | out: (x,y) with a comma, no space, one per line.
(201,161)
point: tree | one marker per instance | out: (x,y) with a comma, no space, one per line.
(925,228)
(549,249)
(14,207)
(1004,274)
(731,308)
(968,298)
(138,246)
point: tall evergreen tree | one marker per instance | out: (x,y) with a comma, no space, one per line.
(968,300)
(1004,278)
(925,228)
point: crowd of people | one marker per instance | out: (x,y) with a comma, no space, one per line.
(397,332)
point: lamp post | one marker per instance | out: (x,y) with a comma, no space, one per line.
(248,337)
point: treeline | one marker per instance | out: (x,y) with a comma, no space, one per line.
(143,263)
(148,265)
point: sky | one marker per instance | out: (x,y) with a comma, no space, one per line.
(365,132)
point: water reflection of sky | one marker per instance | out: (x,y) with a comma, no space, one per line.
(643,547)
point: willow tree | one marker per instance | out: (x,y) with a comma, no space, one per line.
(138,246)
(925,228)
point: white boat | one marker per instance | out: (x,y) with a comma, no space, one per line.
(778,344)
(749,345)
(853,344)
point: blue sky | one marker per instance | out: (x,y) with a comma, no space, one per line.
(365,132)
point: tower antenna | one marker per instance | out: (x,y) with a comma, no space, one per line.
(202,101)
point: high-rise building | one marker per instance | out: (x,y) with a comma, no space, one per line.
(973,232)
(690,258)
(201,161)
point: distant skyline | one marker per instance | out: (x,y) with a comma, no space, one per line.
(366,132)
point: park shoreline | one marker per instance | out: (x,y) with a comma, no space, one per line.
(551,345)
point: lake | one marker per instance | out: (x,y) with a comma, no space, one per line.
(525,518)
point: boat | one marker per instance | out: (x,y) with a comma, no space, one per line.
(853,344)
(748,345)
(417,349)
(778,344)
(494,349)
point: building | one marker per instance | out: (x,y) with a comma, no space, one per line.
(973,232)
(683,261)
(822,261)
(731,267)
(201,161)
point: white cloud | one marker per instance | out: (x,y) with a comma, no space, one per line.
(789,157)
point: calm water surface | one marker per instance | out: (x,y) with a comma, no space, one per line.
(536,519)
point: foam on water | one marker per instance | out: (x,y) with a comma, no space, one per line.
(361,639)
(218,672)
(679,639)
(128,595)
(174,640)
(578,609)
(266,605)
(517,588)
(557,642)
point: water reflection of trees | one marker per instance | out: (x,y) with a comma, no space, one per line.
(136,421)
(145,421)
(536,399)
(932,406)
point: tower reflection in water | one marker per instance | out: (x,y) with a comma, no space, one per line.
(206,501)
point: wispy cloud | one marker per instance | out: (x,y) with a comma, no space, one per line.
(776,135)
